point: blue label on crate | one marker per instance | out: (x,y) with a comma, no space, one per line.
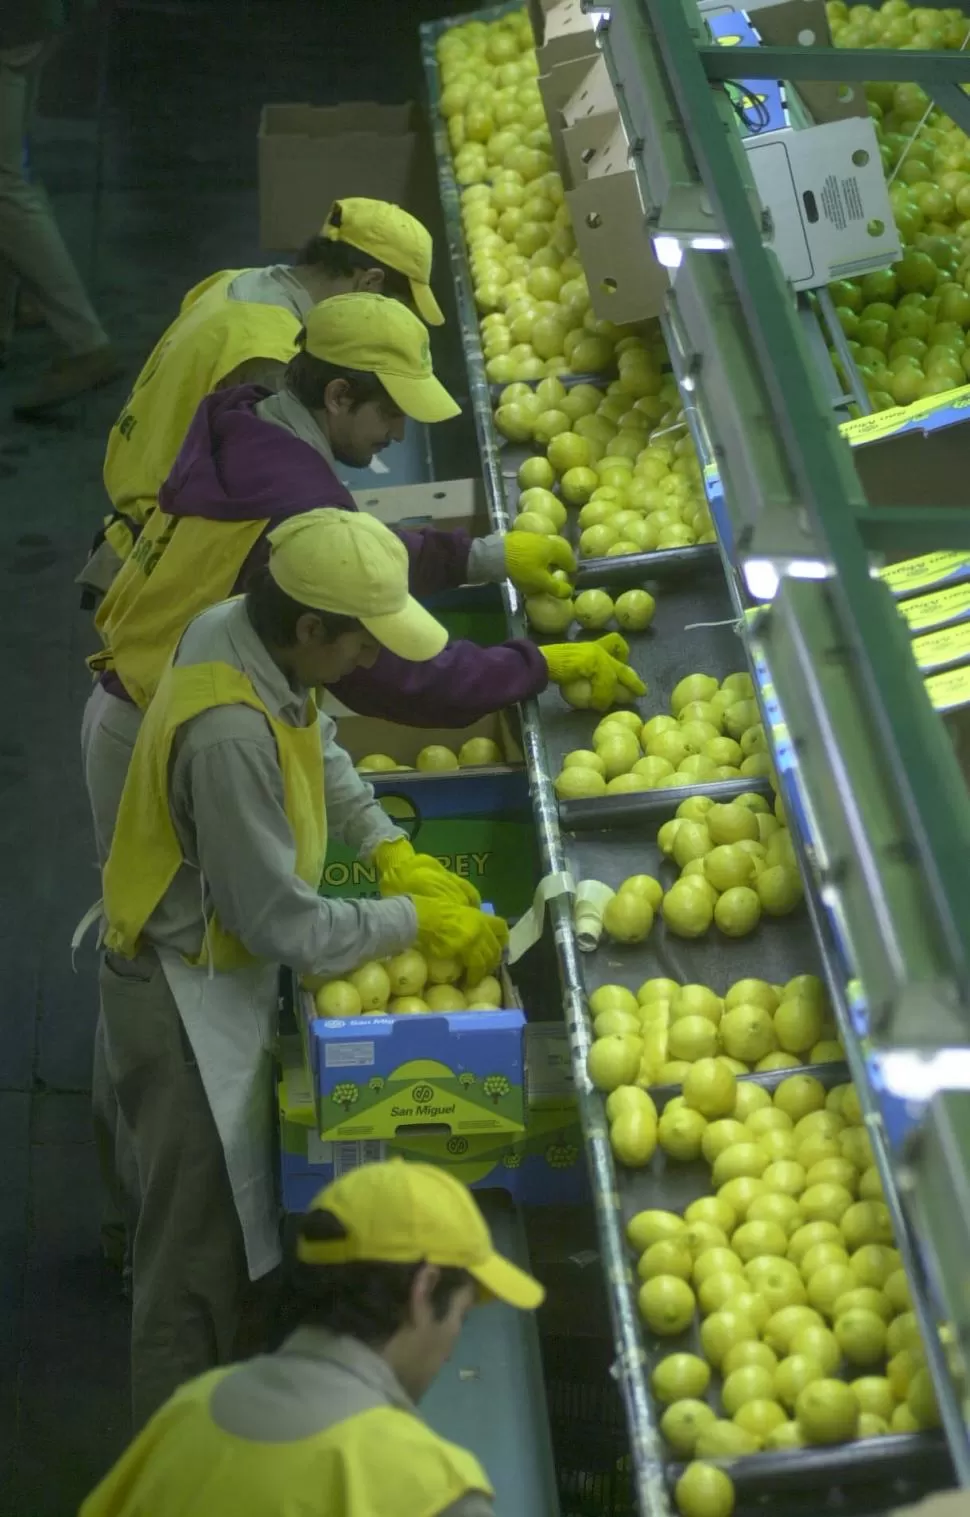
(757,102)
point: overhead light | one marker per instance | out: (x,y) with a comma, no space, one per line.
(761,578)
(917,1077)
(807,568)
(709,244)
(669,252)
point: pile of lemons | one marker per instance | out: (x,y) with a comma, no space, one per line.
(436,758)
(664,1032)
(736,862)
(714,732)
(785,1276)
(407,983)
(908,326)
(593,610)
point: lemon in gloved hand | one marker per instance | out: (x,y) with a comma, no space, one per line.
(449,930)
(401,871)
(603,662)
(530,560)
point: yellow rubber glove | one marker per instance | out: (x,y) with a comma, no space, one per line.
(530,559)
(603,662)
(401,871)
(449,931)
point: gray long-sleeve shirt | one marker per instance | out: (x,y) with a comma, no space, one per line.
(226,803)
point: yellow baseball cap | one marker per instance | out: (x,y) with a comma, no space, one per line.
(349,563)
(391,236)
(381,337)
(402,1213)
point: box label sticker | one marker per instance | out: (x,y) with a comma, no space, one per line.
(348,1055)
(936,649)
(928,611)
(950,690)
(920,573)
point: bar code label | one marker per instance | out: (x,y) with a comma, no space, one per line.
(343,1157)
(348,1055)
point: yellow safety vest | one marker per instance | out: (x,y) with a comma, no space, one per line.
(380,1463)
(179,567)
(146,854)
(211,336)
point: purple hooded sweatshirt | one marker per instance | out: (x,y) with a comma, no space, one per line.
(233,466)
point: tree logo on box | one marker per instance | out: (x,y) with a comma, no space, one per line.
(561,1155)
(345,1094)
(466,1080)
(495,1087)
(511,1161)
(422,1094)
(457,1146)
(376,1085)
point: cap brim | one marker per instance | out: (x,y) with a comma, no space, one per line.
(412,633)
(421,399)
(428,308)
(504,1281)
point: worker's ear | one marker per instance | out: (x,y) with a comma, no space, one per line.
(337,397)
(369,281)
(422,1290)
(309,631)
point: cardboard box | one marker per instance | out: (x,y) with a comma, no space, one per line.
(478,822)
(447,504)
(545,1166)
(311,155)
(562,29)
(457,1073)
(626,283)
(570,93)
(789,23)
(828,199)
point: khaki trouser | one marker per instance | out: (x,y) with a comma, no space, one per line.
(189,1276)
(32,250)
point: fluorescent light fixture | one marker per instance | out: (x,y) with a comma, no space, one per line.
(709,244)
(807,568)
(762,578)
(669,252)
(917,1077)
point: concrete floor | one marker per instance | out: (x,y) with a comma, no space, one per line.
(184,86)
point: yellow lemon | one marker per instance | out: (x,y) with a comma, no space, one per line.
(781,1327)
(708,1087)
(747,1032)
(818,1343)
(871,1426)
(828,1412)
(776,1280)
(767,1119)
(776,1207)
(800,1094)
(866,1222)
(754,1239)
(682,1422)
(744,1354)
(722,1330)
(722,1439)
(786,1176)
(760,1417)
(703,1490)
(712,1209)
(873,1263)
(751,1383)
(738,1160)
(741,1192)
(833,1172)
(870,1185)
(792,1375)
(778,1144)
(861,1335)
(680,1133)
(787,1435)
(921,1400)
(874,1394)
(827,1285)
(825,1203)
(903,1421)
(653,1226)
(666,1304)
(752,993)
(750,1098)
(715,1261)
(722,1135)
(667,1257)
(903,1332)
(678,1376)
(820,1255)
(719,1291)
(810,1234)
(901,1369)
(798,1024)
(864,1298)
(613,998)
(704,1235)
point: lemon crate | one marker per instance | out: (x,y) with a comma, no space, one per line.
(542,1165)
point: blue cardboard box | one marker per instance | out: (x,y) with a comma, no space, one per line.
(377,1077)
(543,1166)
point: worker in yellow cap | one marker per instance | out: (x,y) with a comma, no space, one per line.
(238,327)
(212,883)
(252,460)
(388,1262)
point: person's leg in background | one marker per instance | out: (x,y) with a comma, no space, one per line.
(189,1266)
(32,247)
